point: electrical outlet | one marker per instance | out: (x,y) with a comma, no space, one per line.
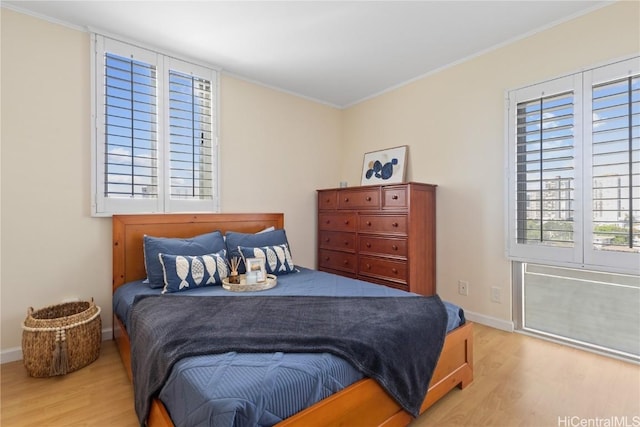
(495,294)
(463,287)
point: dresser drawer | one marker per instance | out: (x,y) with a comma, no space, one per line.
(394,197)
(383,246)
(337,221)
(328,200)
(395,271)
(337,260)
(337,240)
(384,224)
(360,198)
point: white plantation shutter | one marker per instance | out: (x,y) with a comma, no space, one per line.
(542,185)
(155,142)
(192,148)
(574,170)
(612,165)
(127,122)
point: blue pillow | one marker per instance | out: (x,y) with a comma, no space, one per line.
(267,238)
(277,259)
(184,272)
(199,245)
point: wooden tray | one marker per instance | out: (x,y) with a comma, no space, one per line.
(271,281)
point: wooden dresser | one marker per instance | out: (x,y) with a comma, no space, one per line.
(383,234)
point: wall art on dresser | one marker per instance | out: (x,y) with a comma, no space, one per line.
(385,166)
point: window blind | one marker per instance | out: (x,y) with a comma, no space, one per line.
(190,137)
(545,171)
(131,168)
(616,165)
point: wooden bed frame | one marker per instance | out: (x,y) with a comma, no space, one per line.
(362,403)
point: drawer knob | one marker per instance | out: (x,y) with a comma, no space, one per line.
(369,223)
(394,197)
(368,244)
(394,247)
(395,224)
(327,239)
(327,258)
(346,243)
(394,270)
(328,221)
(328,200)
(368,266)
(345,262)
(368,198)
(346,222)
(346,199)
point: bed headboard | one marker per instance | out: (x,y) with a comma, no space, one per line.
(128,230)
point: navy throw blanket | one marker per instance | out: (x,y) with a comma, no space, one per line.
(395,340)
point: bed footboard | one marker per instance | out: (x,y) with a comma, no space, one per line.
(366,403)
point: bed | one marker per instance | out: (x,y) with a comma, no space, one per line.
(364,402)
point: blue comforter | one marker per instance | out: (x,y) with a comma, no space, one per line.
(239,389)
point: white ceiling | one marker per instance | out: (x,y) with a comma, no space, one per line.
(334,52)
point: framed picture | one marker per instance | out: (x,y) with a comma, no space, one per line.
(256,266)
(385,166)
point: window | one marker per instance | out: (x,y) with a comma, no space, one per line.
(574,208)
(574,170)
(155,132)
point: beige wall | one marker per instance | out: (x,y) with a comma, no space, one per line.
(453,122)
(278,146)
(51,247)
(285,146)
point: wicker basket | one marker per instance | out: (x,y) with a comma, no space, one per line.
(61,338)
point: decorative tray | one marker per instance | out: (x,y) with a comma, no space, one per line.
(271,281)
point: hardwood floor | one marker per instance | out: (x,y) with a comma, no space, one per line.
(525,381)
(519,381)
(99,394)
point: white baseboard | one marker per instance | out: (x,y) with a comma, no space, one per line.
(504,325)
(11,355)
(15,353)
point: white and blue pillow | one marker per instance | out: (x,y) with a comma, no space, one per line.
(250,240)
(203,244)
(277,258)
(184,272)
